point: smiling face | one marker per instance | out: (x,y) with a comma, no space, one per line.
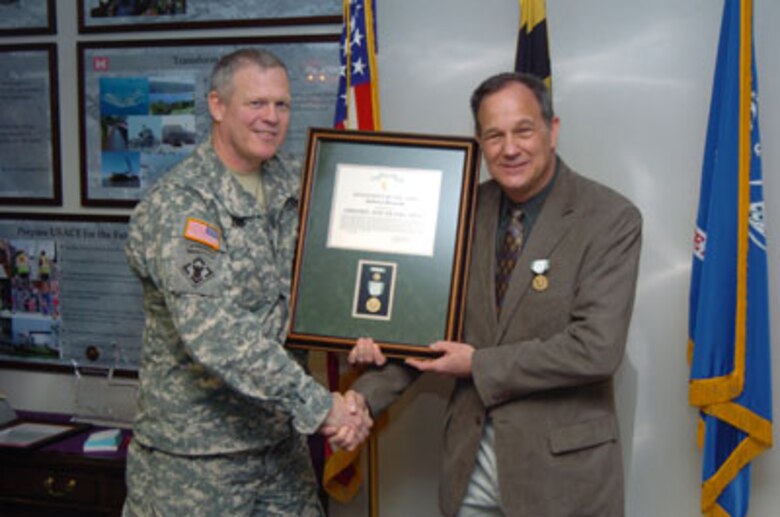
(518,146)
(251,117)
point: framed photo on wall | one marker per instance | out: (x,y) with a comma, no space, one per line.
(29,125)
(136,15)
(383,250)
(143,104)
(27,17)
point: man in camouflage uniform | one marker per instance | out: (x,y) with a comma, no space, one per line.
(223,407)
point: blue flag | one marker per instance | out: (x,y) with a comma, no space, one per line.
(729,353)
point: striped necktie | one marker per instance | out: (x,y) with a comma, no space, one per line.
(507,255)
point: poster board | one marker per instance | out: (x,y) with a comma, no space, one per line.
(143,104)
(67,296)
(106,16)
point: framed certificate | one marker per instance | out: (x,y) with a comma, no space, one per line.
(29,125)
(27,18)
(386,220)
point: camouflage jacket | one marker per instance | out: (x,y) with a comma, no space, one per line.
(215,269)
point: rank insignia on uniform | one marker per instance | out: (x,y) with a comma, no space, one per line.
(202,232)
(198,271)
(374,288)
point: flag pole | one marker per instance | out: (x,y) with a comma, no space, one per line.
(373,475)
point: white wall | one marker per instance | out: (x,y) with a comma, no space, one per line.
(632,82)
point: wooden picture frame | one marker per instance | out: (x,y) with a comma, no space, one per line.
(143,104)
(30,163)
(28,18)
(100,16)
(384,244)
(67,297)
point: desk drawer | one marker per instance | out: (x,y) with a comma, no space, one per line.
(60,485)
(50,484)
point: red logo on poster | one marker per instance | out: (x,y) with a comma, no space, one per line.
(99,63)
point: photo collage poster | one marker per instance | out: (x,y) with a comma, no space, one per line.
(146,108)
(67,296)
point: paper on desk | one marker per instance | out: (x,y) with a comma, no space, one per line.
(27,433)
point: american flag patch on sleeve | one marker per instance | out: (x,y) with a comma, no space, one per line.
(202,232)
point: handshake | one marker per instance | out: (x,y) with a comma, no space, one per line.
(349,422)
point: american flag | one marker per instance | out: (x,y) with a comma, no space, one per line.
(357,105)
(203,232)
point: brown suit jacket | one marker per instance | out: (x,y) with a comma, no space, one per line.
(543,372)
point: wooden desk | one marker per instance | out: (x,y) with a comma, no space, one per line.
(60,479)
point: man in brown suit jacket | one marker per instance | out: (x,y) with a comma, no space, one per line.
(530,428)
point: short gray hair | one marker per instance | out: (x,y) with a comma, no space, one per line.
(499,81)
(221,79)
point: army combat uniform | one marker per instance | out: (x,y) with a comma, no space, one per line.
(222,406)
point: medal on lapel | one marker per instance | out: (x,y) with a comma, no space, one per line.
(540,281)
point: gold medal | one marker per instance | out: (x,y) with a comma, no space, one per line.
(540,283)
(373,304)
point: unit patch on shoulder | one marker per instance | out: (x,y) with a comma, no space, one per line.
(198,271)
(194,268)
(202,232)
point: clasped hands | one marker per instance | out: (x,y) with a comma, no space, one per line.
(349,422)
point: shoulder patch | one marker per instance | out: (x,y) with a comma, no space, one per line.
(198,271)
(203,232)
